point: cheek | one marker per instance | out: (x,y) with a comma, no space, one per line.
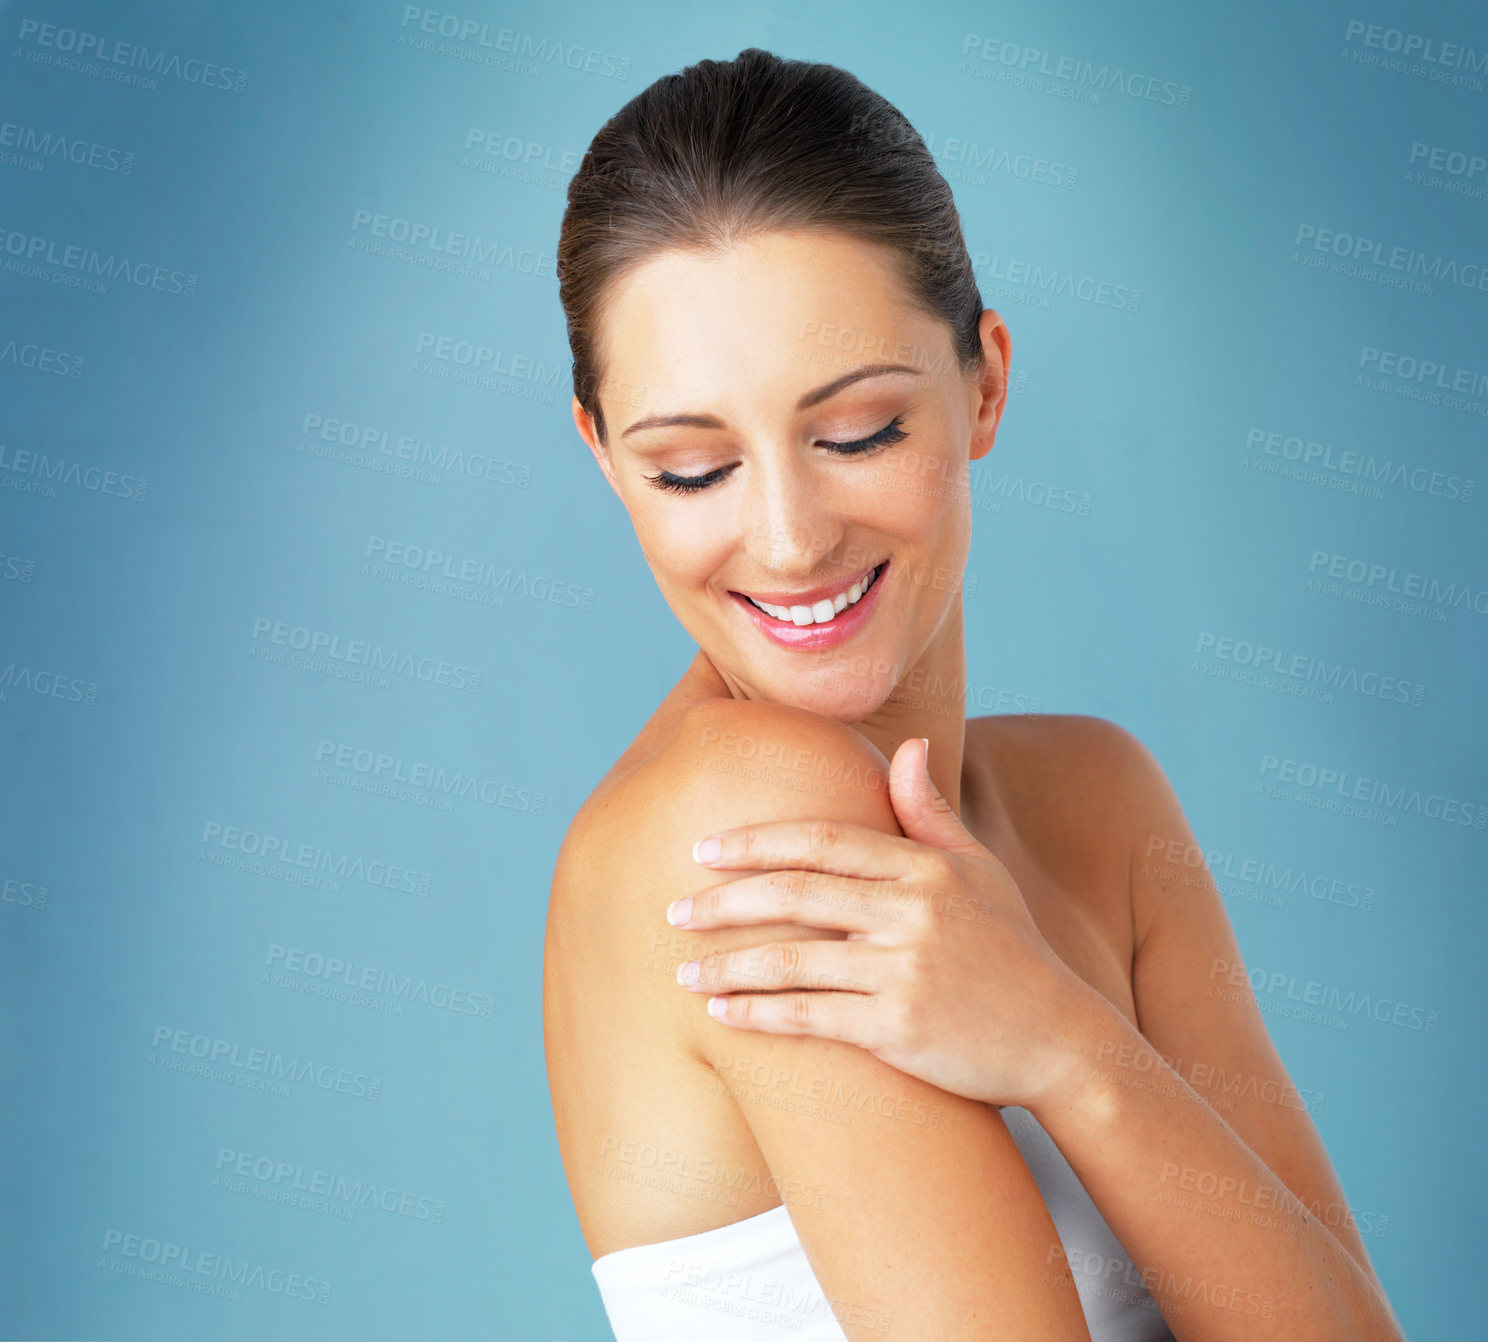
(683,545)
(918,497)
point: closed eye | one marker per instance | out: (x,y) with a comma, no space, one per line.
(891,433)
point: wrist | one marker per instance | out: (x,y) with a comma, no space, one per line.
(1076,1076)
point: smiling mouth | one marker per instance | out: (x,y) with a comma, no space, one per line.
(823,611)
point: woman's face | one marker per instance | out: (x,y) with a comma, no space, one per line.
(737,371)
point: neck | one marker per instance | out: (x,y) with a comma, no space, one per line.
(930,701)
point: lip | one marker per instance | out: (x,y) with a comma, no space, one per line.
(814,637)
(812,595)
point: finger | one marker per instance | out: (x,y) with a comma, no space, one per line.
(922,811)
(815,966)
(817,845)
(846,1017)
(790,895)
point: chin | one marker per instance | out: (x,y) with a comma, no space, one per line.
(848,689)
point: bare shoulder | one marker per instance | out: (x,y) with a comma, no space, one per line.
(1097,783)
(629,1062)
(628,852)
(1071,783)
(723,758)
(735,755)
(1068,744)
(722,763)
(1126,784)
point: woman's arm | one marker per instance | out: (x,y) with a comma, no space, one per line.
(972,996)
(1193,1192)
(922,1209)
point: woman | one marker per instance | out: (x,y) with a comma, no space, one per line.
(983,1069)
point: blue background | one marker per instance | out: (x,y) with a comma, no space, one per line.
(153,728)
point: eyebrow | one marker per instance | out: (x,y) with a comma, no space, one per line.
(810,399)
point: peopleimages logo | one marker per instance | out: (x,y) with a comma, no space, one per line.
(1465,381)
(1357,250)
(1173,860)
(493,151)
(1078,76)
(478,573)
(1416,54)
(41,358)
(1032,275)
(84,268)
(477,365)
(117,60)
(1279,985)
(1385,585)
(1451,162)
(382,770)
(431,244)
(48,683)
(373,446)
(251,850)
(30,145)
(253,1067)
(1304,668)
(476,40)
(204,1273)
(1327,784)
(333,970)
(290,1182)
(1351,469)
(32,472)
(352,658)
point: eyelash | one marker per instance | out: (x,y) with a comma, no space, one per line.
(690,484)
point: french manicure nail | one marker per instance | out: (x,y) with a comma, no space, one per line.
(707,850)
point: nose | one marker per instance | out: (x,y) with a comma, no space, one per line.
(793,520)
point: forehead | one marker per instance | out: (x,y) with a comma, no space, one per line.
(785,311)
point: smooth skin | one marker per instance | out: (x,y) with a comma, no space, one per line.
(881,1132)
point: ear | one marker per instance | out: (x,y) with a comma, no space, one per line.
(584,422)
(997,347)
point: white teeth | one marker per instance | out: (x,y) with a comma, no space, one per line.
(824,609)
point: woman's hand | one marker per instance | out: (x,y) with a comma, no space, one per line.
(943,975)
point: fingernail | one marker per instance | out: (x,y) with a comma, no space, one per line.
(926,740)
(679,911)
(687,974)
(707,850)
(717,1006)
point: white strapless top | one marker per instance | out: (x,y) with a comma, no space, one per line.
(751,1281)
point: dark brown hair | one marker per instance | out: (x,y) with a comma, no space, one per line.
(725,149)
